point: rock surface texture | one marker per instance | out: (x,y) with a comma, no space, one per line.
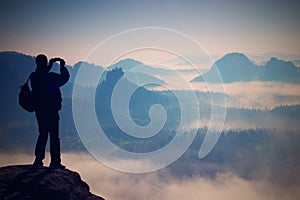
(22,182)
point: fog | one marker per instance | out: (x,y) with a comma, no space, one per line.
(114,185)
(257,94)
(262,94)
(253,94)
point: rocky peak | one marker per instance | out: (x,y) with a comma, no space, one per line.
(22,182)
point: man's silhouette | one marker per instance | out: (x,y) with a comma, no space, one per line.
(46,91)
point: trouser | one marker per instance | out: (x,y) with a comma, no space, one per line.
(48,122)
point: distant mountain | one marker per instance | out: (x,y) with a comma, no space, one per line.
(90,71)
(237,67)
(16,65)
(279,70)
(137,66)
(138,72)
(14,70)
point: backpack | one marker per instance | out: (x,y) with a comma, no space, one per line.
(26,98)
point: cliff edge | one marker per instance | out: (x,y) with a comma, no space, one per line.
(21,182)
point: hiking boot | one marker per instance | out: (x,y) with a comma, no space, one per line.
(37,165)
(56,166)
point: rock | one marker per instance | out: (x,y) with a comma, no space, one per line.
(22,182)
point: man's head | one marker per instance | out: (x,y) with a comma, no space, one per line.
(41,61)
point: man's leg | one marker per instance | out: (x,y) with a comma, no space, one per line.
(54,139)
(42,139)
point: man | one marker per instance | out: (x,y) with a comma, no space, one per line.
(46,91)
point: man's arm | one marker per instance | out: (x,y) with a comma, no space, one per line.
(51,61)
(64,74)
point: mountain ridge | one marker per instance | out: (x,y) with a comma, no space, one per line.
(233,67)
(236,67)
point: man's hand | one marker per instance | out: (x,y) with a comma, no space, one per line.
(53,60)
(62,62)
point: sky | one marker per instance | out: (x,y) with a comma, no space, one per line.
(72,28)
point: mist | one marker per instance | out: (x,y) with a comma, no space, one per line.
(115,185)
(253,94)
(257,94)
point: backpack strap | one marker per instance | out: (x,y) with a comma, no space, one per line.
(26,83)
(28,78)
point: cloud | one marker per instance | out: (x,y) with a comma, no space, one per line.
(162,185)
(254,94)
(262,94)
